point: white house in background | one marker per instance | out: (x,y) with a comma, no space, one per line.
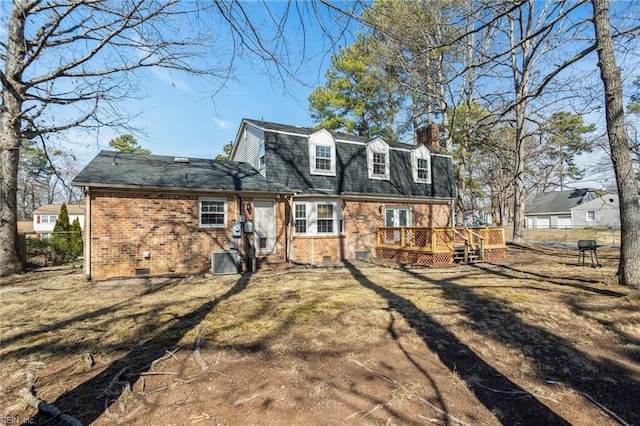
(575,208)
(603,211)
(45,216)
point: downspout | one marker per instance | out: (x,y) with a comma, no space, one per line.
(87,236)
(289,230)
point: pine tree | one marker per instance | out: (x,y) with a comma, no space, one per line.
(75,239)
(60,237)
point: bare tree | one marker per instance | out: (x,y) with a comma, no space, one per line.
(68,63)
(628,190)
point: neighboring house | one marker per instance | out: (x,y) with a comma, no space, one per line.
(45,217)
(289,194)
(576,208)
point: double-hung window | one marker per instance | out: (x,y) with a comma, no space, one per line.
(323,157)
(379,164)
(325,218)
(422,168)
(300,218)
(591,215)
(213,213)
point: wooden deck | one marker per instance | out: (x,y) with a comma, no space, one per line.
(440,246)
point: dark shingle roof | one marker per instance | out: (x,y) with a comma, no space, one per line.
(117,169)
(556,201)
(287,161)
(285,128)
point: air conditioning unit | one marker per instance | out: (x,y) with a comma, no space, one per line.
(225,262)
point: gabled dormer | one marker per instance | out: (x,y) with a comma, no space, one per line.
(421,164)
(378,159)
(322,153)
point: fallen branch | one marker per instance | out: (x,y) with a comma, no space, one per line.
(371,411)
(159,373)
(606,410)
(196,354)
(517,392)
(49,409)
(451,419)
(243,400)
(167,355)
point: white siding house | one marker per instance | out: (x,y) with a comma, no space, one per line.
(44,218)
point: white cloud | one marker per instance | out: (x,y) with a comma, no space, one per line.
(222,123)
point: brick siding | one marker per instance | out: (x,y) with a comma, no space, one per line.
(126,224)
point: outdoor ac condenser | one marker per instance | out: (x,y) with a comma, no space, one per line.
(225,262)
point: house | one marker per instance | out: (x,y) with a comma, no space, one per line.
(288,195)
(575,208)
(45,217)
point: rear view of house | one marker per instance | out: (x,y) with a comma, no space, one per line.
(289,194)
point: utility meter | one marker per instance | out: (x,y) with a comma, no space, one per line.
(236,230)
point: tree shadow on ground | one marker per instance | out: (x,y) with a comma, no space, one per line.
(86,402)
(556,359)
(577,283)
(516,406)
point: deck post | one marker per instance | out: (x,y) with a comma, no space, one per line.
(403,239)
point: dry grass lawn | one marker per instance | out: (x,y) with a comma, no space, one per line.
(534,339)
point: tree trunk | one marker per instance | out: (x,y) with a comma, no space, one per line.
(629,267)
(11,109)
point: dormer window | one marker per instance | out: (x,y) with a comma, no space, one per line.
(378,159)
(421,164)
(322,153)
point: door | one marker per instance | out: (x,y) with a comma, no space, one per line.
(397,216)
(264,226)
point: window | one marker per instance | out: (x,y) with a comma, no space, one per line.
(312,217)
(397,216)
(300,218)
(213,213)
(379,164)
(323,157)
(49,218)
(423,169)
(325,218)
(591,215)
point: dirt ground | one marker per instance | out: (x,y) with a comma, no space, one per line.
(534,339)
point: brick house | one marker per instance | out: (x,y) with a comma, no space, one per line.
(289,194)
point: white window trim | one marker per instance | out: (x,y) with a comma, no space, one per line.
(595,216)
(200,224)
(312,217)
(378,146)
(322,138)
(398,208)
(421,153)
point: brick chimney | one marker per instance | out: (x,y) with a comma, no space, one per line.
(429,136)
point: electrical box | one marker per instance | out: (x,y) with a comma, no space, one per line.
(236,229)
(248,227)
(243,218)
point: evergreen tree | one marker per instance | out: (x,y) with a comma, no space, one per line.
(61,233)
(75,239)
(129,144)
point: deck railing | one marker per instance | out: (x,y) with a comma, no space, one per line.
(441,240)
